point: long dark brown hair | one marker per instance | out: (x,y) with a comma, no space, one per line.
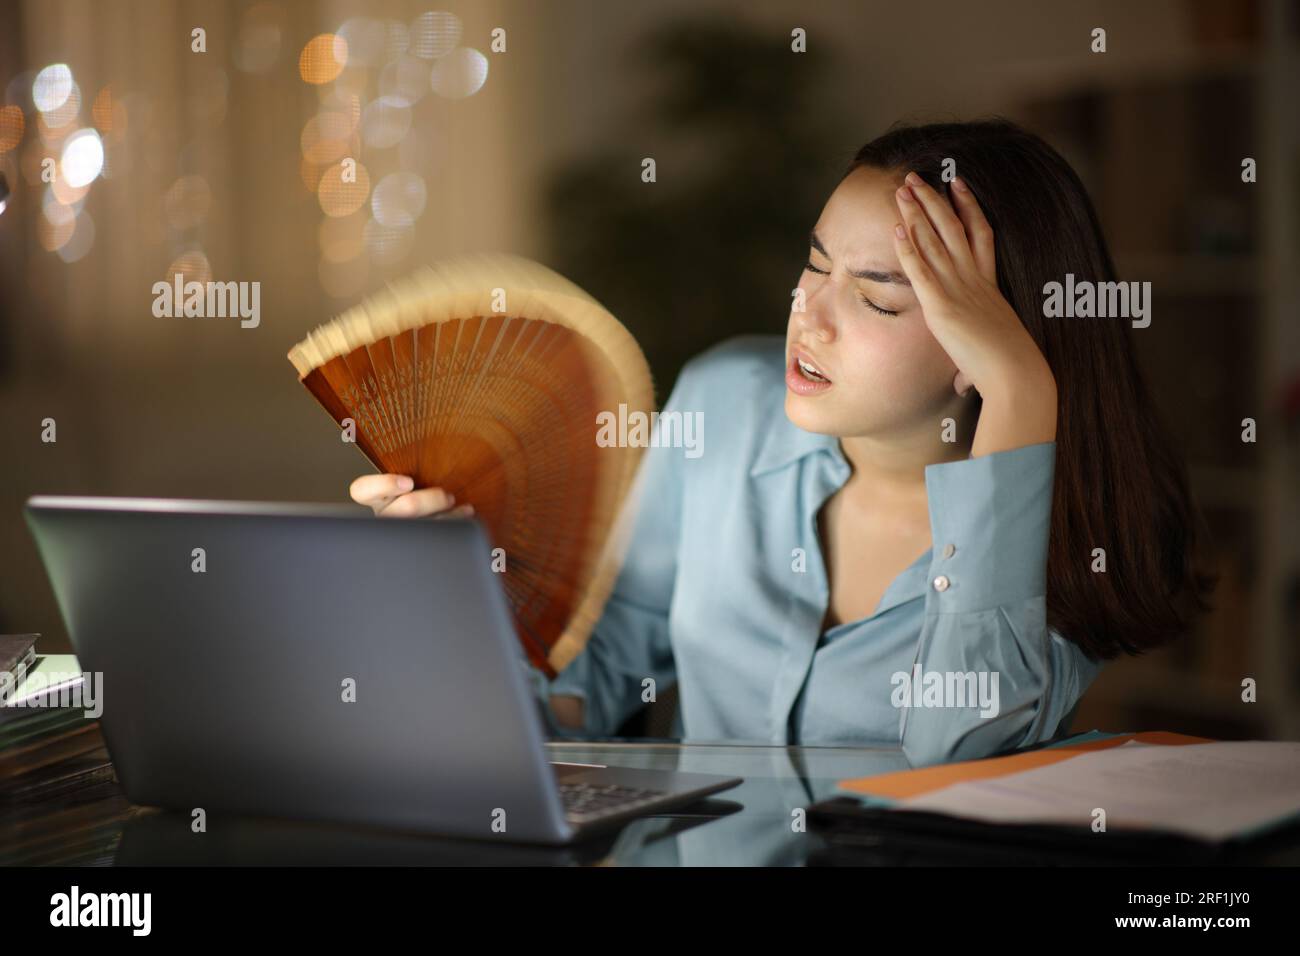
(1120,485)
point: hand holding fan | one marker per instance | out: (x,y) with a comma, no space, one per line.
(484,375)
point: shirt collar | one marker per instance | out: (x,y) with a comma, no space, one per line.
(785,443)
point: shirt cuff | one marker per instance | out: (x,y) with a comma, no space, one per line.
(570,681)
(990,518)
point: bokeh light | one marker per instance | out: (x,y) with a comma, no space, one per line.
(66,193)
(384,122)
(56,209)
(367,39)
(325,137)
(311,173)
(55,225)
(52,87)
(460,73)
(52,235)
(83,158)
(370,73)
(340,197)
(397,40)
(113,164)
(406,80)
(399,199)
(434,34)
(66,112)
(11,127)
(341,101)
(323,58)
(53,137)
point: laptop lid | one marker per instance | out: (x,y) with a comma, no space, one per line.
(302,660)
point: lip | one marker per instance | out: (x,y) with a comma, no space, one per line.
(794,379)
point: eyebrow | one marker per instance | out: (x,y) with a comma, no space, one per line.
(872,275)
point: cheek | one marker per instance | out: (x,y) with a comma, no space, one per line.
(895,365)
(898,372)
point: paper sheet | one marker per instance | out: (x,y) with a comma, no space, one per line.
(1211,791)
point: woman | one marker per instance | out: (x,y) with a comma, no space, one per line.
(931,513)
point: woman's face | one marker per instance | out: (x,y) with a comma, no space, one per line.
(887,375)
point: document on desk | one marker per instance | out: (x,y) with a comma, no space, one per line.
(1211,791)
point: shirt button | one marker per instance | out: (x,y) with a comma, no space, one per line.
(949,550)
(941,583)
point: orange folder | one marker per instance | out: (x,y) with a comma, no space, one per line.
(902,784)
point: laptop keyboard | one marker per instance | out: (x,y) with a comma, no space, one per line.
(584,802)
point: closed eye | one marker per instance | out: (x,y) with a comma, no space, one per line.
(865,301)
(871,305)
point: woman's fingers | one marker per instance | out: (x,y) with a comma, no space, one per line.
(391,496)
(378,490)
(924,282)
(460,511)
(978,230)
(944,221)
(417,504)
(922,234)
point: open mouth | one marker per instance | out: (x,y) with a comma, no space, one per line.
(809,371)
(802,376)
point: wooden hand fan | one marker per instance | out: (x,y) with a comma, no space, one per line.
(484,375)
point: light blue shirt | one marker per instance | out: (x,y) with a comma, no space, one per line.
(715,596)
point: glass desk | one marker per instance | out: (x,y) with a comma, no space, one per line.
(753,824)
(758,823)
(79,816)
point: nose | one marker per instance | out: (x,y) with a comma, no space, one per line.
(816,319)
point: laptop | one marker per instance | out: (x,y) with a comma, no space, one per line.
(315,661)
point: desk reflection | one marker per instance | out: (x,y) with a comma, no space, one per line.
(759,823)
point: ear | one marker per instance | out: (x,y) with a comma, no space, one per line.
(961,384)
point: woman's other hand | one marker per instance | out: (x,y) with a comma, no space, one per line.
(394,496)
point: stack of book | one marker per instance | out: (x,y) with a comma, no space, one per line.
(52,754)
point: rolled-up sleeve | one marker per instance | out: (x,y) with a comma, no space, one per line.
(986,613)
(631,642)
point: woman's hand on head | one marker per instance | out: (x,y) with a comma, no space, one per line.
(394,496)
(947,252)
(948,255)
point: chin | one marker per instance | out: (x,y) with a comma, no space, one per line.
(804,413)
(815,414)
